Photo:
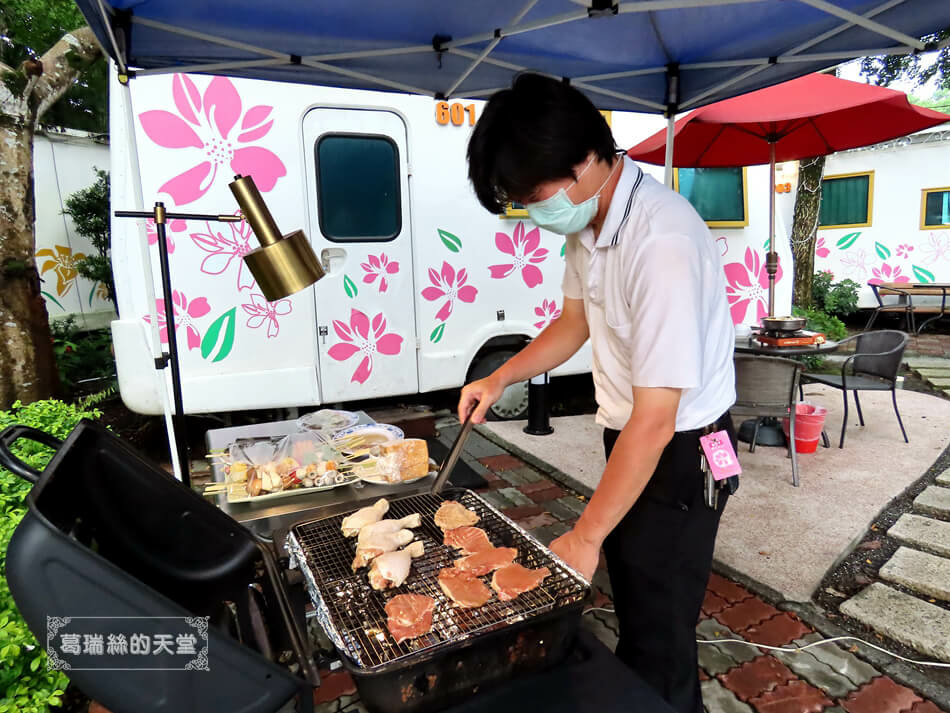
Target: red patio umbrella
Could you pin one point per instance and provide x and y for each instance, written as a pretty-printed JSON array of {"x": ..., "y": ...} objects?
[{"x": 810, "y": 116}]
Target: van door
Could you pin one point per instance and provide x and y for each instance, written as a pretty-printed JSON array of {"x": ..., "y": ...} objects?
[{"x": 358, "y": 193}]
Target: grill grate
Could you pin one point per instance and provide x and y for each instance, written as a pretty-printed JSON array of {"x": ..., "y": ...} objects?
[{"x": 355, "y": 611}]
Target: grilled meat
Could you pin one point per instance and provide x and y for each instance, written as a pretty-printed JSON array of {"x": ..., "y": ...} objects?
[
  {"x": 468, "y": 539},
  {"x": 409, "y": 616},
  {"x": 487, "y": 561},
  {"x": 463, "y": 588},
  {"x": 513, "y": 579},
  {"x": 451, "y": 515},
  {"x": 392, "y": 568}
]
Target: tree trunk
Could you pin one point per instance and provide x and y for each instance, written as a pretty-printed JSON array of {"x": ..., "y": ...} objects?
[
  {"x": 805, "y": 228},
  {"x": 27, "y": 363}
]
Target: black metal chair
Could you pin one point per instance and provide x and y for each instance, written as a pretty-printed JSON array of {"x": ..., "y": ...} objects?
[
  {"x": 873, "y": 367},
  {"x": 768, "y": 387}
]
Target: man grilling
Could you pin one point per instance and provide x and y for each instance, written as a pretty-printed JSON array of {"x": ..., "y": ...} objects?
[{"x": 643, "y": 282}]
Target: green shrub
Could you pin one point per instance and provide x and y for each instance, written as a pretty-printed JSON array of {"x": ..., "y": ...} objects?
[
  {"x": 838, "y": 299},
  {"x": 25, "y": 684},
  {"x": 89, "y": 209},
  {"x": 81, "y": 356},
  {"x": 818, "y": 321}
]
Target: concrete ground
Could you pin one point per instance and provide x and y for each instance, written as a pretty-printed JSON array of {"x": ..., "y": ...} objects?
[{"x": 783, "y": 537}]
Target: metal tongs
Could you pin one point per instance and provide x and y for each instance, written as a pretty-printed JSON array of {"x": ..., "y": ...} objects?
[{"x": 452, "y": 458}]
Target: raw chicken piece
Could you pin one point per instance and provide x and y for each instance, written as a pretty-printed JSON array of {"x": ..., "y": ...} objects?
[
  {"x": 513, "y": 579},
  {"x": 484, "y": 562},
  {"x": 383, "y": 527},
  {"x": 379, "y": 543},
  {"x": 409, "y": 616},
  {"x": 468, "y": 539},
  {"x": 463, "y": 588},
  {"x": 451, "y": 515},
  {"x": 392, "y": 568},
  {"x": 352, "y": 524}
]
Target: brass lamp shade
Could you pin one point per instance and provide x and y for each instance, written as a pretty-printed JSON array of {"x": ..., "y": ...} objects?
[{"x": 282, "y": 265}]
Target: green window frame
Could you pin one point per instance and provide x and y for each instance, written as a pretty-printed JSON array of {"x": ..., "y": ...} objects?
[
  {"x": 720, "y": 195},
  {"x": 358, "y": 188},
  {"x": 935, "y": 208},
  {"x": 847, "y": 200}
]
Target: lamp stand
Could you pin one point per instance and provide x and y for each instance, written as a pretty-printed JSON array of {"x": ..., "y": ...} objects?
[{"x": 170, "y": 359}]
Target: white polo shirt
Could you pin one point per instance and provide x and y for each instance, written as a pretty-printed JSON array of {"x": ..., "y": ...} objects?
[{"x": 654, "y": 295}]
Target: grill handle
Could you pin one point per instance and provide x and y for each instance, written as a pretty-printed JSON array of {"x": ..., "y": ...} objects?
[
  {"x": 452, "y": 458},
  {"x": 10, "y": 435}
]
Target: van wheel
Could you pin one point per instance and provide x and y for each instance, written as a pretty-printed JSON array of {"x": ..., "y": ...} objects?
[{"x": 513, "y": 404}]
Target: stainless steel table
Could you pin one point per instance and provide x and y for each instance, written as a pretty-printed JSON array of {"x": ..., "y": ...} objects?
[{"x": 265, "y": 517}]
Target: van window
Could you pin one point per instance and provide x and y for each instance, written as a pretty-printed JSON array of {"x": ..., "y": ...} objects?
[
  {"x": 718, "y": 194},
  {"x": 846, "y": 200},
  {"x": 358, "y": 188},
  {"x": 935, "y": 208}
]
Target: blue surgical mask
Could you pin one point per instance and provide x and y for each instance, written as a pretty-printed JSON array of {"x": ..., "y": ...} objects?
[{"x": 560, "y": 215}]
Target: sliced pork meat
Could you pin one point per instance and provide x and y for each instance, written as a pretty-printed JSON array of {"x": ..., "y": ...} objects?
[
  {"x": 451, "y": 515},
  {"x": 409, "y": 616},
  {"x": 513, "y": 579},
  {"x": 463, "y": 588},
  {"x": 468, "y": 539},
  {"x": 487, "y": 561}
]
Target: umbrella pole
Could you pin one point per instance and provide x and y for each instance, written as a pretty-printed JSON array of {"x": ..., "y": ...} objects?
[
  {"x": 771, "y": 257},
  {"x": 668, "y": 161}
]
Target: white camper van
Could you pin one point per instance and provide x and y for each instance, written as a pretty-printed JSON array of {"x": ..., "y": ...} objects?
[{"x": 424, "y": 287}]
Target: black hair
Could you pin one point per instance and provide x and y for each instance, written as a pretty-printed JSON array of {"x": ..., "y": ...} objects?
[{"x": 537, "y": 131}]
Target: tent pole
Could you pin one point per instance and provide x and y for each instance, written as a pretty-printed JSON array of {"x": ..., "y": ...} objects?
[
  {"x": 771, "y": 257},
  {"x": 668, "y": 160},
  {"x": 138, "y": 201}
]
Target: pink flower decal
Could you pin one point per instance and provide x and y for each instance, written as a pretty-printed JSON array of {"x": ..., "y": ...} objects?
[
  {"x": 185, "y": 313},
  {"x": 748, "y": 282},
  {"x": 548, "y": 312},
  {"x": 223, "y": 245},
  {"x": 206, "y": 123},
  {"x": 526, "y": 252},
  {"x": 723, "y": 245},
  {"x": 450, "y": 285},
  {"x": 886, "y": 273},
  {"x": 266, "y": 313},
  {"x": 904, "y": 250},
  {"x": 173, "y": 226},
  {"x": 362, "y": 337},
  {"x": 936, "y": 248},
  {"x": 820, "y": 249},
  {"x": 379, "y": 266}
]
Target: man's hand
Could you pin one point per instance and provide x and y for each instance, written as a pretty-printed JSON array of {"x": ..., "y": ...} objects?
[
  {"x": 578, "y": 552},
  {"x": 480, "y": 395}
]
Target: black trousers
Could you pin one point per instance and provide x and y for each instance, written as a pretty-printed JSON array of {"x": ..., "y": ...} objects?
[{"x": 658, "y": 559}]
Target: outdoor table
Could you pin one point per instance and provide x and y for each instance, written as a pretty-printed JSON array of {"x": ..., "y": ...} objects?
[
  {"x": 906, "y": 291},
  {"x": 770, "y": 430},
  {"x": 269, "y": 515}
]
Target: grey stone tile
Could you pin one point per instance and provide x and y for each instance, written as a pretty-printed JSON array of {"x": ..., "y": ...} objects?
[
  {"x": 560, "y": 511},
  {"x": 521, "y": 476},
  {"x": 712, "y": 630},
  {"x": 572, "y": 503},
  {"x": 923, "y": 532},
  {"x": 713, "y": 661},
  {"x": 515, "y": 496},
  {"x": 598, "y": 628},
  {"x": 719, "y": 699},
  {"x": 549, "y": 533},
  {"x": 934, "y": 500},
  {"x": 912, "y": 621},
  {"x": 944, "y": 478},
  {"x": 498, "y": 499},
  {"x": 474, "y": 464},
  {"x": 817, "y": 673},
  {"x": 920, "y": 571},
  {"x": 844, "y": 662},
  {"x": 480, "y": 447},
  {"x": 602, "y": 582}
]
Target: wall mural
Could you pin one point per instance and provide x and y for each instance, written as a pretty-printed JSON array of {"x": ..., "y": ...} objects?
[
  {"x": 447, "y": 284},
  {"x": 526, "y": 253},
  {"x": 865, "y": 263},
  {"x": 747, "y": 287},
  {"x": 211, "y": 136},
  {"x": 61, "y": 261},
  {"x": 362, "y": 336}
]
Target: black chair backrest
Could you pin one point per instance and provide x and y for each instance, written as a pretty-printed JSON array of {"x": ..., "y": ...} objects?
[
  {"x": 885, "y": 366},
  {"x": 765, "y": 385}
]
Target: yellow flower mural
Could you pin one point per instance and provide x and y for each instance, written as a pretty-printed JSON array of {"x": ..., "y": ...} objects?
[
  {"x": 102, "y": 291},
  {"x": 63, "y": 263}
]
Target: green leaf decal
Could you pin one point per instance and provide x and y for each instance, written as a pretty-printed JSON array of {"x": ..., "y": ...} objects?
[
  {"x": 882, "y": 251},
  {"x": 210, "y": 339},
  {"x": 349, "y": 287},
  {"x": 563, "y": 248},
  {"x": 923, "y": 275},
  {"x": 48, "y": 296},
  {"x": 450, "y": 241},
  {"x": 846, "y": 241},
  {"x": 765, "y": 245},
  {"x": 437, "y": 333},
  {"x": 92, "y": 292}
]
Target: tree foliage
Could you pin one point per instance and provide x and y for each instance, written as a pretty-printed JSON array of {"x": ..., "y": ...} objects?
[
  {"x": 30, "y": 27},
  {"x": 915, "y": 67},
  {"x": 89, "y": 209}
]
